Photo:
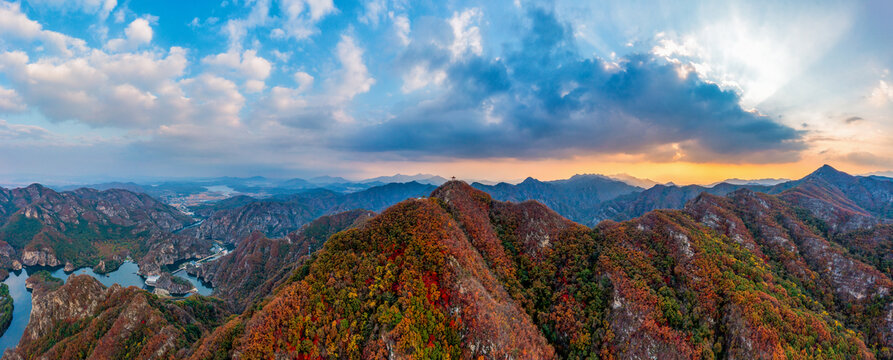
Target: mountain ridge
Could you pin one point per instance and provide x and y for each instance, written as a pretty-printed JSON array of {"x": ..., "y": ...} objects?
[{"x": 742, "y": 274}]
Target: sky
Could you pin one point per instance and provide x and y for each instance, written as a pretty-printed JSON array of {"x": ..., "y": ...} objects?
[{"x": 683, "y": 91}]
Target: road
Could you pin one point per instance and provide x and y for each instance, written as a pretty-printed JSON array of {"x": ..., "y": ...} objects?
[{"x": 213, "y": 256}]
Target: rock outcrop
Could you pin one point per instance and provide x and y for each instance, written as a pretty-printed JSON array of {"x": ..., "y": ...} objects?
[
  {"x": 41, "y": 257},
  {"x": 174, "y": 285}
]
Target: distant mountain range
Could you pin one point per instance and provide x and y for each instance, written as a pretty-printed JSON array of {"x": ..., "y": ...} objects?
[
  {"x": 233, "y": 219},
  {"x": 189, "y": 192},
  {"x": 736, "y": 181},
  {"x": 577, "y": 198}
]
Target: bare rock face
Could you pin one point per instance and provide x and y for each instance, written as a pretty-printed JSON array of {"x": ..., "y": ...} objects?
[
  {"x": 76, "y": 300},
  {"x": 8, "y": 257},
  {"x": 100, "y": 267},
  {"x": 42, "y": 257},
  {"x": 174, "y": 285},
  {"x": 168, "y": 249},
  {"x": 69, "y": 267}
]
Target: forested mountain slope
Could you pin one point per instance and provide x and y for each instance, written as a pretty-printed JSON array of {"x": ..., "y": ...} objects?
[
  {"x": 84, "y": 227},
  {"x": 460, "y": 275}
]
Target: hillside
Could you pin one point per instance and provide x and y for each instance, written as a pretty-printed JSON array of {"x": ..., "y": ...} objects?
[
  {"x": 276, "y": 217},
  {"x": 84, "y": 227},
  {"x": 259, "y": 263},
  {"x": 452, "y": 273},
  {"x": 84, "y": 319},
  {"x": 461, "y": 275},
  {"x": 844, "y": 201}
]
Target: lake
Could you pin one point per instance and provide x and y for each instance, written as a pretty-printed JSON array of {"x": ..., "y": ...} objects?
[{"x": 126, "y": 275}]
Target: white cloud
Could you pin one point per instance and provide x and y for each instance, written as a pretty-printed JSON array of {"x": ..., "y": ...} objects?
[
  {"x": 247, "y": 66},
  {"x": 283, "y": 100},
  {"x": 316, "y": 9},
  {"x": 138, "y": 33},
  {"x": 375, "y": 9},
  {"x": 119, "y": 16},
  {"x": 401, "y": 25},
  {"x": 10, "y": 101},
  {"x": 354, "y": 77},
  {"x": 881, "y": 95},
  {"x": 100, "y": 89},
  {"x": 214, "y": 99},
  {"x": 301, "y": 16},
  {"x": 466, "y": 33},
  {"x": 237, "y": 29},
  {"x": 16, "y": 25},
  {"x": 304, "y": 80},
  {"x": 755, "y": 55},
  {"x": 420, "y": 77},
  {"x": 282, "y": 56},
  {"x": 298, "y": 19},
  {"x": 17, "y": 132},
  {"x": 378, "y": 11},
  {"x": 297, "y": 107}
]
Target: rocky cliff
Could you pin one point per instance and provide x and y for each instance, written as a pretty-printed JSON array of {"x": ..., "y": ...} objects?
[{"x": 84, "y": 319}]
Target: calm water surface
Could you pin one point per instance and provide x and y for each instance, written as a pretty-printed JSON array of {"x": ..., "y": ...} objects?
[{"x": 21, "y": 313}]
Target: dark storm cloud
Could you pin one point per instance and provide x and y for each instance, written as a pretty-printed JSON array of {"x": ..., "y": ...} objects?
[{"x": 543, "y": 100}]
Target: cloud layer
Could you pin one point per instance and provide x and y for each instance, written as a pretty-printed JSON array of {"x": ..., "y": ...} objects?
[
  {"x": 545, "y": 100},
  {"x": 315, "y": 85}
]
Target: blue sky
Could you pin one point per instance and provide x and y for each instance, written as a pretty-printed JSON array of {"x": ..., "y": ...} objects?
[{"x": 672, "y": 90}]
